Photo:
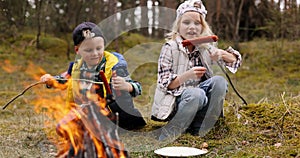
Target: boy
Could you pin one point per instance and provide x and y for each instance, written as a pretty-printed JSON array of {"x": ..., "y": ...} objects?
[{"x": 89, "y": 44}]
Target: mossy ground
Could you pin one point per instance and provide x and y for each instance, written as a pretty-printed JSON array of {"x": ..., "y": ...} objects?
[{"x": 269, "y": 126}]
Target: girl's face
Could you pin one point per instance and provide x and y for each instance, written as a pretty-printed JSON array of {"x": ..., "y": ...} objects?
[
  {"x": 91, "y": 50},
  {"x": 190, "y": 25}
]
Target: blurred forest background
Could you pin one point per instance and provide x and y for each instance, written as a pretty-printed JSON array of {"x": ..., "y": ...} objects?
[{"x": 237, "y": 20}]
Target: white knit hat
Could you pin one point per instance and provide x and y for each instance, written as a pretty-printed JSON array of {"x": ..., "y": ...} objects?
[{"x": 191, "y": 5}]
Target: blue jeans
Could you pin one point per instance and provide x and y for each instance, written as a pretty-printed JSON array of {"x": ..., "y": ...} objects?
[{"x": 198, "y": 108}]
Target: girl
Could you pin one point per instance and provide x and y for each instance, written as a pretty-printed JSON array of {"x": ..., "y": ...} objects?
[{"x": 185, "y": 73}]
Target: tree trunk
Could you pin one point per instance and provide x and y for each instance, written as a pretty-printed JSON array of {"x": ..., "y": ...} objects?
[
  {"x": 112, "y": 9},
  {"x": 38, "y": 16},
  {"x": 285, "y": 4},
  {"x": 144, "y": 18},
  {"x": 153, "y": 19},
  {"x": 237, "y": 25},
  {"x": 218, "y": 10},
  {"x": 163, "y": 19}
]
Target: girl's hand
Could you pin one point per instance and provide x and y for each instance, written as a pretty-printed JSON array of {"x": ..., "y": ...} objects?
[
  {"x": 194, "y": 73},
  {"x": 197, "y": 72},
  {"x": 218, "y": 54}
]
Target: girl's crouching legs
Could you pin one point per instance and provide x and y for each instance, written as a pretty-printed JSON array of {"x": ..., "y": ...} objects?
[{"x": 191, "y": 100}]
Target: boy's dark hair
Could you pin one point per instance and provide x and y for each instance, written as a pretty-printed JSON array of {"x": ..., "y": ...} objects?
[{"x": 78, "y": 36}]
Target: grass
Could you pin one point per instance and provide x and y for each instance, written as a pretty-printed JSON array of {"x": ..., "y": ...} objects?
[{"x": 269, "y": 126}]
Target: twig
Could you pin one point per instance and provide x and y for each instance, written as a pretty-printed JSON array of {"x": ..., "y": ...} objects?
[
  {"x": 230, "y": 82},
  {"x": 20, "y": 94},
  {"x": 228, "y": 77},
  {"x": 284, "y": 103},
  {"x": 285, "y": 113},
  {"x": 91, "y": 81},
  {"x": 40, "y": 82},
  {"x": 248, "y": 118}
]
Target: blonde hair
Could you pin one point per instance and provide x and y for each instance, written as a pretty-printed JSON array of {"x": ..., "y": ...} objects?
[{"x": 206, "y": 31}]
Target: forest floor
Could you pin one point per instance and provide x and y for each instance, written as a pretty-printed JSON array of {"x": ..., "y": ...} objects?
[{"x": 269, "y": 80}]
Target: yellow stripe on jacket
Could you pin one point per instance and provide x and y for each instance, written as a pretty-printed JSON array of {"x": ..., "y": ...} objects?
[{"x": 73, "y": 88}]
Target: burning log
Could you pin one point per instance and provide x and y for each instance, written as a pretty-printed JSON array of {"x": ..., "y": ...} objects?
[
  {"x": 94, "y": 134},
  {"x": 91, "y": 129}
]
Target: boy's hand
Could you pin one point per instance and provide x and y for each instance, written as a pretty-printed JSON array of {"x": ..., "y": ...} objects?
[
  {"x": 119, "y": 83},
  {"x": 47, "y": 79}
]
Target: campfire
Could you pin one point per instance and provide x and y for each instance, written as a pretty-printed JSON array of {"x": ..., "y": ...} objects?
[
  {"x": 85, "y": 130},
  {"x": 91, "y": 133}
]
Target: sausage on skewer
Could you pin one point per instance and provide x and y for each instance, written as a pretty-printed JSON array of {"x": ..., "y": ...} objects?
[{"x": 200, "y": 40}]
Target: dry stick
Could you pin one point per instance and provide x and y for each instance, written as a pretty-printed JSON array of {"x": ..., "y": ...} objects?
[
  {"x": 285, "y": 113},
  {"x": 230, "y": 82},
  {"x": 229, "y": 79},
  {"x": 118, "y": 92},
  {"x": 20, "y": 94},
  {"x": 41, "y": 82},
  {"x": 91, "y": 81},
  {"x": 208, "y": 39}
]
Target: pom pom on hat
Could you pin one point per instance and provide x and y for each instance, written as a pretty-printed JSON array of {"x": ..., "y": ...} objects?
[{"x": 191, "y": 5}]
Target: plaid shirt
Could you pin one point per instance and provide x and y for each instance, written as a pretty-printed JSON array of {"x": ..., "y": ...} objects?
[
  {"x": 166, "y": 72},
  {"x": 93, "y": 74},
  {"x": 90, "y": 75}
]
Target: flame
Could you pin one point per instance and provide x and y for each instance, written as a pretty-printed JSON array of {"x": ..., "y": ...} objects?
[
  {"x": 8, "y": 67},
  {"x": 69, "y": 128},
  {"x": 66, "y": 119},
  {"x": 99, "y": 147},
  {"x": 34, "y": 71},
  {"x": 69, "y": 118},
  {"x": 101, "y": 102}
]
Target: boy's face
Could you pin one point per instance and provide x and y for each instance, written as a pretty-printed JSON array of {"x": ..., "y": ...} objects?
[
  {"x": 91, "y": 50},
  {"x": 190, "y": 25}
]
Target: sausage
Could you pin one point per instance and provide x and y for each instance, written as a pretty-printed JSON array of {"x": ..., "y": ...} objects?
[{"x": 200, "y": 40}]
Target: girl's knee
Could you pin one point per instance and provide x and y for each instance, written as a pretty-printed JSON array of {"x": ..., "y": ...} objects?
[
  {"x": 219, "y": 79},
  {"x": 195, "y": 95},
  {"x": 192, "y": 93},
  {"x": 220, "y": 83}
]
